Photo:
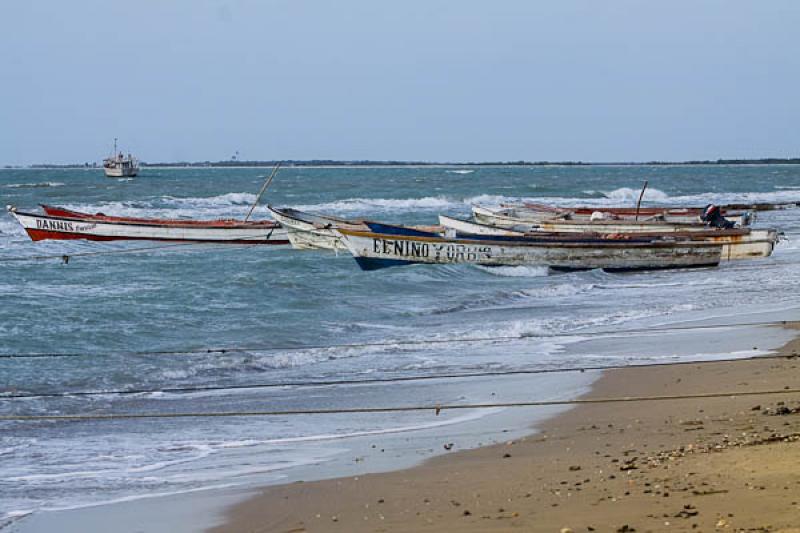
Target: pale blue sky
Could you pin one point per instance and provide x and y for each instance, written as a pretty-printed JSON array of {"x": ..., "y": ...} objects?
[{"x": 411, "y": 79}]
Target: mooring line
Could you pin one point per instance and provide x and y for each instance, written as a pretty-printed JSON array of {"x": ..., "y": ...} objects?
[
  {"x": 435, "y": 408},
  {"x": 368, "y": 381},
  {"x": 66, "y": 256},
  {"x": 265, "y": 348},
  {"x": 97, "y": 252}
]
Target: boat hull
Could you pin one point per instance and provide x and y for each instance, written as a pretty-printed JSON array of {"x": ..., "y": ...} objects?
[
  {"x": 675, "y": 215},
  {"x": 42, "y": 227},
  {"x": 379, "y": 250},
  {"x": 120, "y": 172},
  {"x": 502, "y": 220},
  {"x": 307, "y": 235},
  {"x": 736, "y": 244}
]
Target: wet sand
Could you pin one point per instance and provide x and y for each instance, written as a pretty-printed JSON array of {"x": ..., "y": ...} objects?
[{"x": 713, "y": 464}]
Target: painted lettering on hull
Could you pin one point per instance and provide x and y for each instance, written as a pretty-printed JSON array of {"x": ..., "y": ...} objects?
[
  {"x": 400, "y": 248},
  {"x": 450, "y": 252},
  {"x": 63, "y": 225},
  {"x": 54, "y": 225}
]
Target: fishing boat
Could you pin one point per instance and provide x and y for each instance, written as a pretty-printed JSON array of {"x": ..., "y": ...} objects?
[
  {"x": 385, "y": 245},
  {"x": 64, "y": 224},
  {"x": 120, "y": 166},
  {"x": 518, "y": 220},
  {"x": 309, "y": 231},
  {"x": 679, "y": 215},
  {"x": 738, "y": 243}
]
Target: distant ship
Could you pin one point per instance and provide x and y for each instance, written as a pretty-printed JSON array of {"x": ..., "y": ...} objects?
[{"x": 120, "y": 166}]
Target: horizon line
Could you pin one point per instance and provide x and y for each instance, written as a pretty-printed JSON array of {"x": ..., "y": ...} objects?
[{"x": 404, "y": 163}]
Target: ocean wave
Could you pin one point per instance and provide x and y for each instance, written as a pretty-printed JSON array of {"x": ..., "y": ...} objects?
[
  {"x": 228, "y": 199},
  {"x": 627, "y": 195},
  {"x": 233, "y": 204},
  {"x": 35, "y": 185},
  {"x": 393, "y": 205},
  {"x": 459, "y": 171},
  {"x": 776, "y": 197},
  {"x": 230, "y": 205},
  {"x": 252, "y": 361},
  {"x": 356, "y": 205}
]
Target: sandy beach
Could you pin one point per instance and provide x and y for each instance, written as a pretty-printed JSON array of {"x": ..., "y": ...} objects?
[{"x": 730, "y": 463}]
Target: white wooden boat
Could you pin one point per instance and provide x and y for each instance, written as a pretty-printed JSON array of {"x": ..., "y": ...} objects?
[
  {"x": 739, "y": 243},
  {"x": 518, "y": 221},
  {"x": 679, "y": 215},
  {"x": 309, "y": 231},
  {"x": 71, "y": 225},
  {"x": 383, "y": 246}
]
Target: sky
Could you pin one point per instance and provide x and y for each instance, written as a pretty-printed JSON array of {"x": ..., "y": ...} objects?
[{"x": 430, "y": 80}]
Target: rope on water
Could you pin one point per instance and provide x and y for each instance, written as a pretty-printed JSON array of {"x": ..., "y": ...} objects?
[
  {"x": 435, "y": 408},
  {"x": 384, "y": 344},
  {"x": 66, "y": 257},
  {"x": 338, "y": 382}
]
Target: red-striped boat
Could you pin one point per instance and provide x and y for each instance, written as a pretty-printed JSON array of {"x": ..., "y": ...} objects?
[{"x": 65, "y": 224}]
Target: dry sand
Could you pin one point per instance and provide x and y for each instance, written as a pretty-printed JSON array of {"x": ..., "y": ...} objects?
[{"x": 724, "y": 464}]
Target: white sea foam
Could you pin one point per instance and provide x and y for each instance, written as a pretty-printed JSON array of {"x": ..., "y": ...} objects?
[
  {"x": 232, "y": 204},
  {"x": 35, "y": 185},
  {"x": 462, "y": 171},
  {"x": 626, "y": 195},
  {"x": 516, "y": 271},
  {"x": 229, "y": 199},
  {"x": 354, "y": 205},
  {"x": 475, "y": 415},
  {"x": 141, "y": 496},
  {"x": 116, "y": 471},
  {"x": 616, "y": 197}
]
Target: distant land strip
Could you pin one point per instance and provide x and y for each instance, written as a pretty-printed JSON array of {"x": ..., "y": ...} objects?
[{"x": 370, "y": 163}]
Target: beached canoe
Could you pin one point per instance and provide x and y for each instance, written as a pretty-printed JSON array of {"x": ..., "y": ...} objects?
[
  {"x": 677, "y": 215},
  {"x": 738, "y": 243},
  {"x": 385, "y": 245},
  {"x": 517, "y": 220},
  {"x": 309, "y": 231},
  {"x": 69, "y": 225}
]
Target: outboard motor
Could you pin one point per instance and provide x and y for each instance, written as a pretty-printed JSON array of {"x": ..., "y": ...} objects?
[{"x": 712, "y": 216}]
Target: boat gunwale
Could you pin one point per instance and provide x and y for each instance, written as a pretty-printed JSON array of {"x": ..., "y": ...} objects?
[
  {"x": 171, "y": 223},
  {"x": 335, "y": 222},
  {"x": 710, "y": 233},
  {"x": 550, "y": 244},
  {"x": 488, "y": 212}
]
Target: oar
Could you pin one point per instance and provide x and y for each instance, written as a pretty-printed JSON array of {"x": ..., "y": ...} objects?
[
  {"x": 639, "y": 202},
  {"x": 263, "y": 188}
]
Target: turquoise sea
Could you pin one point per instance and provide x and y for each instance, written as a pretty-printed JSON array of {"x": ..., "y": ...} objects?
[{"x": 281, "y": 313}]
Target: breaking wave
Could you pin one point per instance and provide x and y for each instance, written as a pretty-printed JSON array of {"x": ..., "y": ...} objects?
[
  {"x": 231, "y": 198},
  {"x": 34, "y": 185},
  {"x": 628, "y": 195},
  {"x": 356, "y": 205},
  {"x": 233, "y": 204}
]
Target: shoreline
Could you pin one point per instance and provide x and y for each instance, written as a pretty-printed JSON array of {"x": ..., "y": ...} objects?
[{"x": 649, "y": 466}]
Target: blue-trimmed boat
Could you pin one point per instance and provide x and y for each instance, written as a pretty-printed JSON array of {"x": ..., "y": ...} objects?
[{"x": 385, "y": 245}]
